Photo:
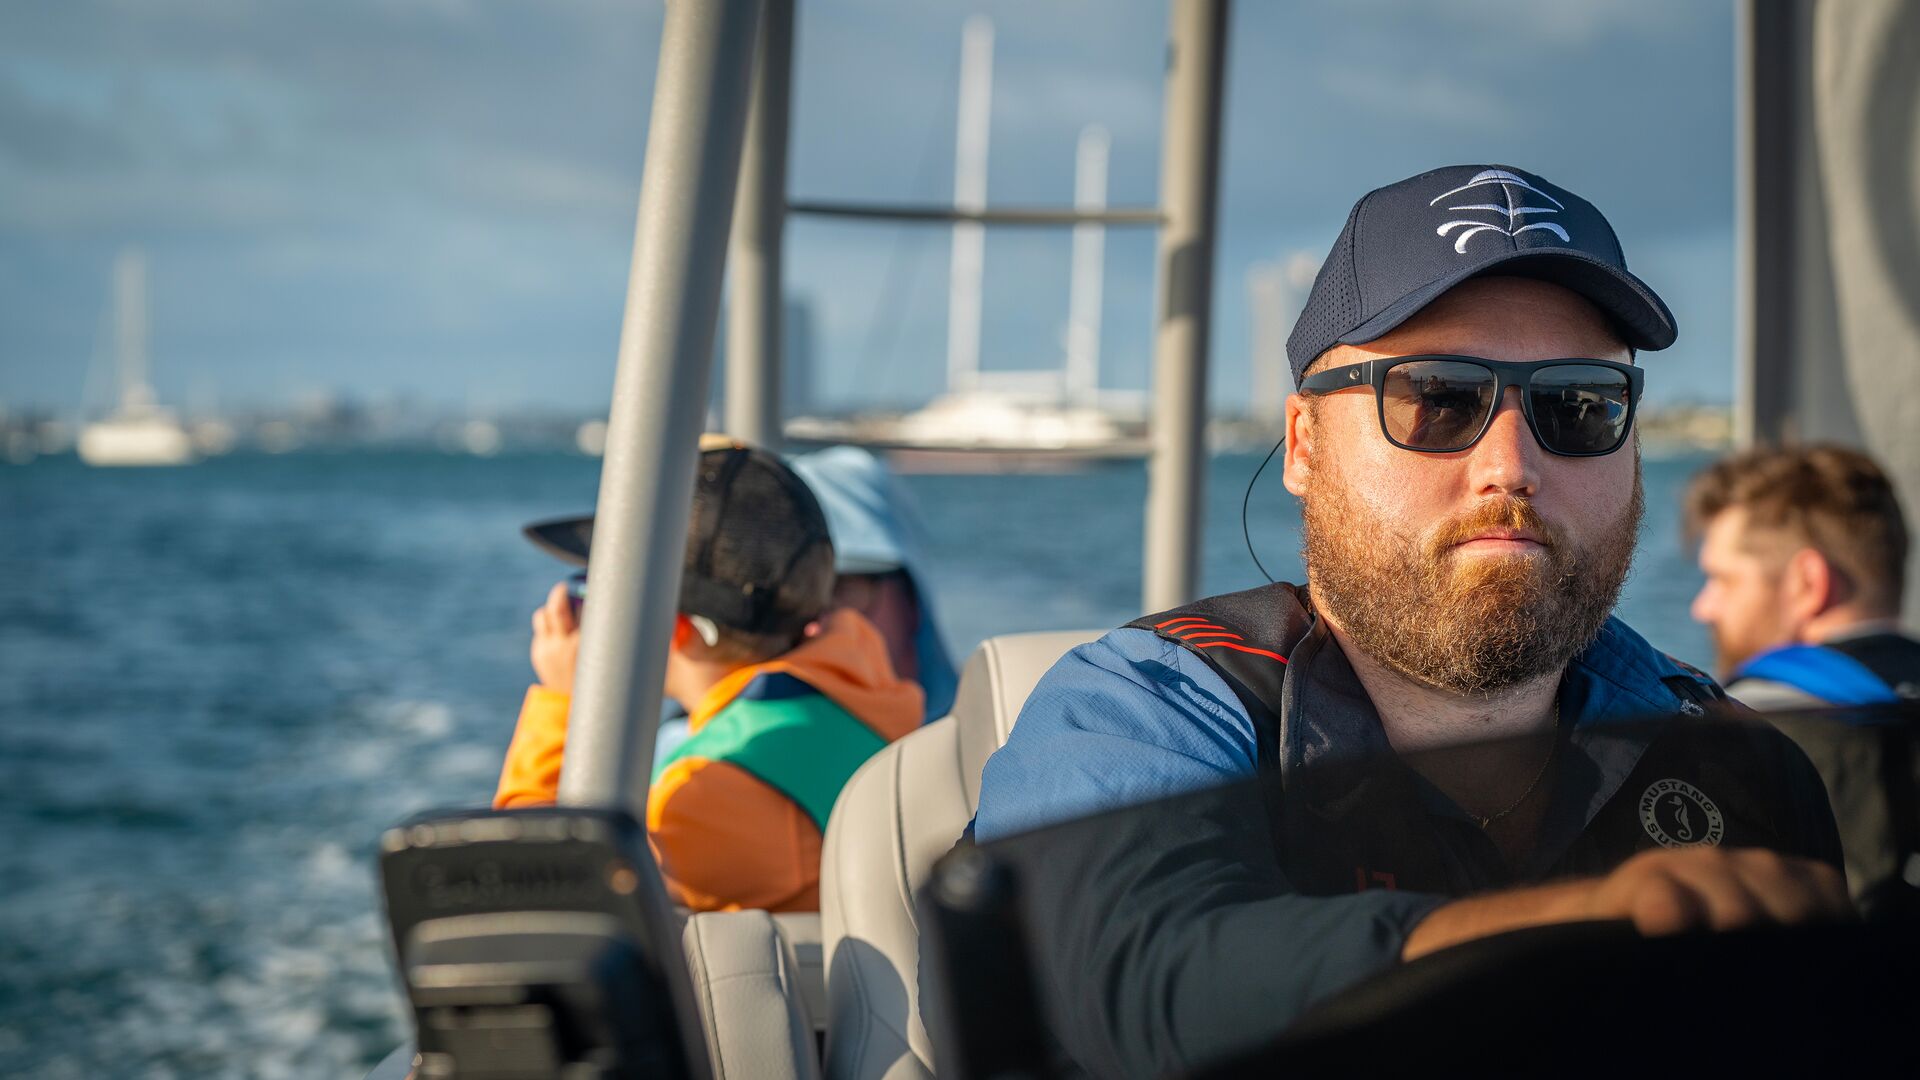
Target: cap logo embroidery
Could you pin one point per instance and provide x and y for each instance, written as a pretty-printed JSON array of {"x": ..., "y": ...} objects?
[{"x": 1513, "y": 209}]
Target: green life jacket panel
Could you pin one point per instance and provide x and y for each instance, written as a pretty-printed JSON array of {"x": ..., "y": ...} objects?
[{"x": 803, "y": 746}]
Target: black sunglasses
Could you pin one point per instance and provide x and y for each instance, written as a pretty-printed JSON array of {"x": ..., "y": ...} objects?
[{"x": 1443, "y": 404}]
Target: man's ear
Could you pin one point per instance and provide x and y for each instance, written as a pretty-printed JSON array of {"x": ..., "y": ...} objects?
[
  {"x": 1297, "y": 460},
  {"x": 682, "y": 633},
  {"x": 1809, "y": 586}
]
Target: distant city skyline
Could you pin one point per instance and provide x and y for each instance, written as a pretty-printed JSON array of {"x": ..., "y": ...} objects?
[{"x": 435, "y": 201}]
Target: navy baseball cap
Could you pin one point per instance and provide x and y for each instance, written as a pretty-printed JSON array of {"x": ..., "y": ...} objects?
[{"x": 1406, "y": 243}]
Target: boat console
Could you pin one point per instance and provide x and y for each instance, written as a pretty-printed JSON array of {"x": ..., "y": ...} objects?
[{"x": 538, "y": 943}]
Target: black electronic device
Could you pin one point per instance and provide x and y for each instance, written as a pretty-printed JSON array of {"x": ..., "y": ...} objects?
[
  {"x": 538, "y": 945},
  {"x": 989, "y": 1021}
]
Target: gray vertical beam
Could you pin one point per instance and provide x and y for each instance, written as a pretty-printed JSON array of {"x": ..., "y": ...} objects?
[
  {"x": 659, "y": 397},
  {"x": 755, "y": 304},
  {"x": 1768, "y": 146},
  {"x": 1189, "y": 199},
  {"x": 1863, "y": 68}
]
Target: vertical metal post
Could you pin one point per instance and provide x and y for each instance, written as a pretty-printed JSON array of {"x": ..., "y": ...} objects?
[
  {"x": 1189, "y": 198},
  {"x": 756, "y": 303},
  {"x": 659, "y": 397},
  {"x": 1766, "y": 151}
]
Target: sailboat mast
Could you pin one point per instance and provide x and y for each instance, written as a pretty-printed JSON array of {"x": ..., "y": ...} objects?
[
  {"x": 130, "y": 327},
  {"x": 969, "y": 194},
  {"x": 138, "y": 431},
  {"x": 1089, "y": 259}
]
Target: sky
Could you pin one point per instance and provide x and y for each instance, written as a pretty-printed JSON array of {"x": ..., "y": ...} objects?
[{"x": 434, "y": 199}]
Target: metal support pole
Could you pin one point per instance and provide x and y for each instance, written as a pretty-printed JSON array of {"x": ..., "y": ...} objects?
[
  {"x": 756, "y": 303},
  {"x": 1189, "y": 198},
  {"x": 659, "y": 397},
  {"x": 1767, "y": 150}
]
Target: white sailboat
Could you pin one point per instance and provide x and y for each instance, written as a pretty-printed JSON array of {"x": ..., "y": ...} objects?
[
  {"x": 139, "y": 431},
  {"x": 1042, "y": 411},
  {"x": 1024, "y": 420}
]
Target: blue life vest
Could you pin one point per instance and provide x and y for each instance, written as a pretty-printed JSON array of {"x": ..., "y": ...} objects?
[{"x": 1828, "y": 674}]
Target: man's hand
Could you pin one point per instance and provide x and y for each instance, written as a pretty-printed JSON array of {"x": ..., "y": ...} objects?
[
  {"x": 1660, "y": 892},
  {"x": 1707, "y": 888},
  {"x": 556, "y": 641}
]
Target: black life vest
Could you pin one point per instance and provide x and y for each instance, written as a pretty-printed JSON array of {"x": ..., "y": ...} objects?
[
  {"x": 1246, "y": 638},
  {"x": 1249, "y": 637},
  {"x": 1893, "y": 658},
  {"x": 1364, "y": 824}
]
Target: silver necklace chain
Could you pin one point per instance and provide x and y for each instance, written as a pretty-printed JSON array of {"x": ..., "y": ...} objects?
[{"x": 1552, "y": 749}]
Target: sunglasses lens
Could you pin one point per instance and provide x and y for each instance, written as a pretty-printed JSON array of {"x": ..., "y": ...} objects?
[
  {"x": 1580, "y": 408},
  {"x": 1436, "y": 405}
]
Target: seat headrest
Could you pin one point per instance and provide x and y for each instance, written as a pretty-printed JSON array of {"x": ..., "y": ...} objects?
[{"x": 993, "y": 687}]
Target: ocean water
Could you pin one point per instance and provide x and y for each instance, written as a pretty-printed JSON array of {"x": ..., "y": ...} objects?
[{"x": 218, "y": 684}]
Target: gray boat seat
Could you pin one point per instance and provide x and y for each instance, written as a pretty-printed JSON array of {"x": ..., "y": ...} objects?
[
  {"x": 904, "y": 809},
  {"x": 747, "y": 982}
]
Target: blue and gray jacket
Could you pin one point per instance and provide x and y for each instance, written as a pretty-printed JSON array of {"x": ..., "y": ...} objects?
[
  {"x": 1869, "y": 668},
  {"x": 1178, "y": 936}
]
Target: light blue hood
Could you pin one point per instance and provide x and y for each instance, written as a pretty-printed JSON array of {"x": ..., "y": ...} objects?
[{"x": 876, "y": 529}]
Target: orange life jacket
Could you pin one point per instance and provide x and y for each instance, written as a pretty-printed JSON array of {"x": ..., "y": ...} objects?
[{"x": 736, "y": 813}]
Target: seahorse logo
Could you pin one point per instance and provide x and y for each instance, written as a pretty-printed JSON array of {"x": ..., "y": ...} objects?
[
  {"x": 1677, "y": 814},
  {"x": 1684, "y": 833},
  {"x": 1513, "y": 189}
]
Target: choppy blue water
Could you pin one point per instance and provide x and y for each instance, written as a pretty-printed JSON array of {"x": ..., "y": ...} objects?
[{"x": 218, "y": 684}]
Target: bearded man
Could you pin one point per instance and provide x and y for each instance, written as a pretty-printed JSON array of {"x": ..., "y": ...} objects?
[{"x": 1462, "y": 445}]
